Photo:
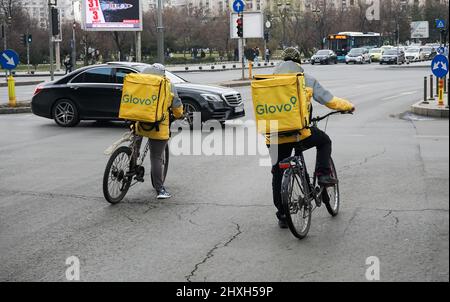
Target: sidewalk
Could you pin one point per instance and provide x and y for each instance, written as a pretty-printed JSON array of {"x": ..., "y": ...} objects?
[
  {"x": 431, "y": 108},
  {"x": 22, "y": 78}
]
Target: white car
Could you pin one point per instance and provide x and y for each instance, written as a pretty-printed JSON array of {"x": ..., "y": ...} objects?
[
  {"x": 358, "y": 55},
  {"x": 414, "y": 54}
]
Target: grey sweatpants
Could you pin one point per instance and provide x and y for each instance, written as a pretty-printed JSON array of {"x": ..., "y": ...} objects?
[{"x": 157, "y": 148}]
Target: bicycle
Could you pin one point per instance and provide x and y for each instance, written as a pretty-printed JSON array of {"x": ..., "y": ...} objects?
[
  {"x": 298, "y": 192},
  {"x": 125, "y": 166}
]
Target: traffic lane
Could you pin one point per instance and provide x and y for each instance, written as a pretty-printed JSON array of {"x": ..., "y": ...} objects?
[
  {"x": 234, "y": 232},
  {"x": 251, "y": 233}
]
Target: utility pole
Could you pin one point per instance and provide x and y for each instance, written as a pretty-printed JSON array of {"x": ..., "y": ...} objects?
[
  {"x": 160, "y": 30},
  {"x": 51, "y": 3},
  {"x": 138, "y": 47},
  {"x": 74, "y": 47}
]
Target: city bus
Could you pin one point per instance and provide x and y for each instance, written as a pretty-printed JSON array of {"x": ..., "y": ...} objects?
[{"x": 343, "y": 42}]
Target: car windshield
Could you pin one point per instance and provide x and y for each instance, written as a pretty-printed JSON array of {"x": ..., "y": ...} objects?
[
  {"x": 174, "y": 78},
  {"x": 322, "y": 52},
  {"x": 412, "y": 50},
  {"x": 428, "y": 49},
  {"x": 375, "y": 50},
  {"x": 390, "y": 52},
  {"x": 356, "y": 51}
]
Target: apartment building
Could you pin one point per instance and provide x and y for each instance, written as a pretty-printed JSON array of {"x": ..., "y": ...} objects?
[{"x": 38, "y": 10}]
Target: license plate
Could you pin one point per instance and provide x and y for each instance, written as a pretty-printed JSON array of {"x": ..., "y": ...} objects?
[
  {"x": 317, "y": 60},
  {"x": 238, "y": 109}
]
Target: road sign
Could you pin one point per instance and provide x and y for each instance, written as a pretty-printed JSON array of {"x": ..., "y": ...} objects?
[
  {"x": 441, "y": 50},
  {"x": 420, "y": 30},
  {"x": 440, "y": 23},
  {"x": 9, "y": 59},
  {"x": 238, "y": 6},
  {"x": 439, "y": 66},
  {"x": 268, "y": 24}
]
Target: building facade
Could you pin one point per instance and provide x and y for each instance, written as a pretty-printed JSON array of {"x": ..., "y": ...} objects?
[{"x": 38, "y": 10}]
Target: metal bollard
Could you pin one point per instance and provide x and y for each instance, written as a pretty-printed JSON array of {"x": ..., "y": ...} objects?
[
  {"x": 437, "y": 86},
  {"x": 445, "y": 84},
  {"x": 11, "y": 91},
  {"x": 425, "y": 87},
  {"x": 431, "y": 88}
]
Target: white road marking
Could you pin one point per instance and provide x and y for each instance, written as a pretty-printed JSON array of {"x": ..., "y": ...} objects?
[
  {"x": 432, "y": 136},
  {"x": 399, "y": 95}
]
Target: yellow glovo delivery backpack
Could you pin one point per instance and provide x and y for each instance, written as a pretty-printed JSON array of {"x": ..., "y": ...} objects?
[
  {"x": 145, "y": 99},
  {"x": 280, "y": 103}
]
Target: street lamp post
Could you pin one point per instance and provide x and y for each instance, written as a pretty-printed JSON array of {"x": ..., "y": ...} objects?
[
  {"x": 316, "y": 11},
  {"x": 51, "y": 3},
  {"x": 160, "y": 30},
  {"x": 74, "y": 46},
  {"x": 283, "y": 8}
]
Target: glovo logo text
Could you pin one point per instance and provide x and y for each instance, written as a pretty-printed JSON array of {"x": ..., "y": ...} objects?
[
  {"x": 278, "y": 108},
  {"x": 130, "y": 99}
]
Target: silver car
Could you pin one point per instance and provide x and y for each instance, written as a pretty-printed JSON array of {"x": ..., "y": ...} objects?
[{"x": 358, "y": 55}]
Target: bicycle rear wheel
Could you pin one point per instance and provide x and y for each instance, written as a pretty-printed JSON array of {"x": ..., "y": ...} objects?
[
  {"x": 115, "y": 180},
  {"x": 330, "y": 195},
  {"x": 296, "y": 205},
  {"x": 165, "y": 165}
]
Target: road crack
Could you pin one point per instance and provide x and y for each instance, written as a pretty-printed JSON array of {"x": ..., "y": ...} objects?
[
  {"x": 363, "y": 162},
  {"x": 210, "y": 253}
]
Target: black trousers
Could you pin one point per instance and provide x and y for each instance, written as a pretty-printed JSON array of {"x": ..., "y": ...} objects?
[{"x": 318, "y": 139}]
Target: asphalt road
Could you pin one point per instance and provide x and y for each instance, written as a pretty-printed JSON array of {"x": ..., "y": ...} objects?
[{"x": 220, "y": 225}]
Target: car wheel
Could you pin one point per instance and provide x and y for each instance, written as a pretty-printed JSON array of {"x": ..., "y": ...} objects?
[
  {"x": 312, "y": 63},
  {"x": 65, "y": 113},
  {"x": 189, "y": 107}
]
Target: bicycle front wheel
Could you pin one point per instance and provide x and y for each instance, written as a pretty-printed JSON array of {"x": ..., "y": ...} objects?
[
  {"x": 296, "y": 206},
  {"x": 115, "y": 180}
]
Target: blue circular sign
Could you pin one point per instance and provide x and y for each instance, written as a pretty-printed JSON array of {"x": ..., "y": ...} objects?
[
  {"x": 439, "y": 66},
  {"x": 9, "y": 59},
  {"x": 238, "y": 6}
]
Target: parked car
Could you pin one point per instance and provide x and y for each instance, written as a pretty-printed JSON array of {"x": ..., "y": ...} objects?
[
  {"x": 375, "y": 54},
  {"x": 414, "y": 54},
  {"x": 393, "y": 56},
  {"x": 429, "y": 52},
  {"x": 358, "y": 55},
  {"x": 95, "y": 92},
  {"x": 324, "y": 56}
]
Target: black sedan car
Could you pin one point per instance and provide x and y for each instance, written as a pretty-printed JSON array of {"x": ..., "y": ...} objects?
[
  {"x": 94, "y": 93},
  {"x": 393, "y": 56},
  {"x": 324, "y": 56}
]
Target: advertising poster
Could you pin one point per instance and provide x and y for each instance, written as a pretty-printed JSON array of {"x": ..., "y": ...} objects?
[{"x": 112, "y": 15}]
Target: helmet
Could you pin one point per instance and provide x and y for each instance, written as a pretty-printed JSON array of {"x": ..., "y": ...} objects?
[
  {"x": 156, "y": 68},
  {"x": 159, "y": 66},
  {"x": 291, "y": 54}
]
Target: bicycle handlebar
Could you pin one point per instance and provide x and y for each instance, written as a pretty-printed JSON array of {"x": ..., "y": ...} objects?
[{"x": 319, "y": 118}]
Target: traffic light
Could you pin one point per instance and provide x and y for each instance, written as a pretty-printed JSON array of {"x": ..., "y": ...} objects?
[
  {"x": 24, "y": 39},
  {"x": 266, "y": 36},
  {"x": 55, "y": 21},
  {"x": 240, "y": 27},
  {"x": 29, "y": 39}
]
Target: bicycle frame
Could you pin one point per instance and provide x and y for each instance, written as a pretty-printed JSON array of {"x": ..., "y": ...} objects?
[{"x": 298, "y": 162}]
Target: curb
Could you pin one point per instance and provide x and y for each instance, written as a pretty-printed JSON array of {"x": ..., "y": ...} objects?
[
  {"x": 17, "y": 84},
  {"x": 12, "y": 110},
  {"x": 236, "y": 84},
  {"x": 431, "y": 110},
  {"x": 214, "y": 68}
]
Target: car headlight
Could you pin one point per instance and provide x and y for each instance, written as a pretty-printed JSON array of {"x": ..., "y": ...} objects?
[{"x": 211, "y": 97}]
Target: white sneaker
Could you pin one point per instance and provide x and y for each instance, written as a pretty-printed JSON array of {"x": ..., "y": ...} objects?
[{"x": 163, "y": 194}]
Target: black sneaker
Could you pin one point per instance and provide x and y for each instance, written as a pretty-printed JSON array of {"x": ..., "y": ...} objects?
[
  {"x": 282, "y": 223},
  {"x": 327, "y": 181},
  {"x": 163, "y": 194}
]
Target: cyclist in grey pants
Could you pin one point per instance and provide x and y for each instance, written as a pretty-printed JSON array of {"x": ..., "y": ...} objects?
[{"x": 159, "y": 138}]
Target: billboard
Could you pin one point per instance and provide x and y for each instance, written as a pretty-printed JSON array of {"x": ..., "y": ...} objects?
[
  {"x": 420, "y": 30},
  {"x": 112, "y": 15},
  {"x": 253, "y": 25}
]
